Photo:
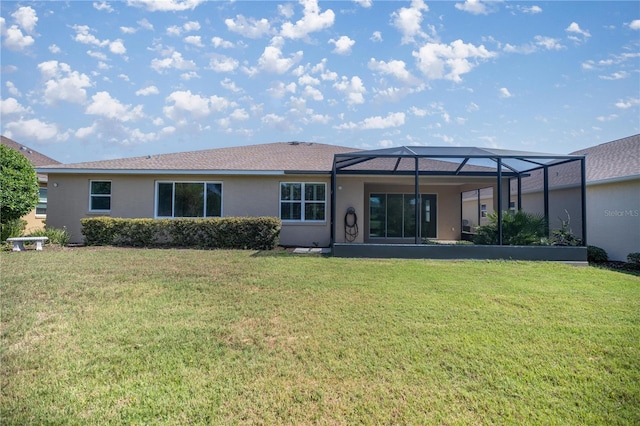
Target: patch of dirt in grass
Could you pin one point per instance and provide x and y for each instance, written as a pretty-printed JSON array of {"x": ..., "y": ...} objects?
[{"x": 46, "y": 326}]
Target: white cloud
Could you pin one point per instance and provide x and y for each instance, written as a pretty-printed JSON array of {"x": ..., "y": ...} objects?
[
  {"x": 219, "y": 42},
  {"x": 272, "y": 61},
  {"x": 418, "y": 112},
  {"x": 441, "y": 61},
  {"x": 84, "y": 36},
  {"x": 128, "y": 30},
  {"x": 395, "y": 119},
  {"x": 84, "y": 132},
  {"x": 144, "y": 23},
  {"x": 408, "y": 20},
  {"x": 531, "y": 10},
  {"x": 103, "y": 5},
  {"x": 278, "y": 89},
  {"x": 609, "y": 117},
  {"x": 174, "y": 30},
  {"x": 221, "y": 63},
  {"x": 635, "y": 24},
  {"x": 548, "y": 43},
  {"x": 504, "y": 93},
  {"x": 311, "y": 92},
  {"x": 13, "y": 37},
  {"x": 34, "y": 130},
  {"x": 364, "y": 3},
  {"x": 615, "y": 76},
  {"x": 229, "y": 84},
  {"x": 175, "y": 61},
  {"x": 475, "y": 7},
  {"x": 183, "y": 101},
  {"x": 306, "y": 79},
  {"x": 343, "y": 45},
  {"x": 311, "y": 21},
  {"x": 117, "y": 47},
  {"x": 186, "y": 76},
  {"x": 54, "y": 48},
  {"x": 286, "y": 10},
  {"x": 395, "y": 68},
  {"x": 239, "y": 114},
  {"x": 194, "y": 40},
  {"x": 376, "y": 37},
  {"x": 165, "y": 5},
  {"x": 12, "y": 88},
  {"x": 473, "y": 107},
  {"x": 353, "y": 89},
  {"x": 26, "y": 18},
  {"x": 249, "y": 28},
  {"x": 124, "y": 77},
  {"x": 12, "y": 106},
  {"x": 62, "y": 83},
  {"x": 146, "y": 91},
  {"x": 191, "y": 26},
  {"x": 97, "y": 55},
  {"x": 574, "y": 31},
  {"x": 628, "y": 103},
  {"x": 104, "y": 105}
]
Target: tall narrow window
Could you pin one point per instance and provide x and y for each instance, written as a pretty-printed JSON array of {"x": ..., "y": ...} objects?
[
  {"x": 188, "y": 199},
  {"x": 303, "y": 201},
  {"x": 41, "y": 207},
  {"x": 100, "y": 195}
]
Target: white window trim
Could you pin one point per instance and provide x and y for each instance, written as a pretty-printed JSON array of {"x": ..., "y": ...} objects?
[
  {"x": 173, "y": 204},
  {"x": 41, "y": 201},
  {"x": 302, "y": 202},
  {"x": 100, "y": 195}
]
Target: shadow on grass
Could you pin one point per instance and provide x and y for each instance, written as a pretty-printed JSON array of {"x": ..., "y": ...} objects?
[{"x": 622, "y": 267}]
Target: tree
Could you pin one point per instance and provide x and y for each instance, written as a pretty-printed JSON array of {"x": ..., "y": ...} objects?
[{"x": 18, "y": 185}]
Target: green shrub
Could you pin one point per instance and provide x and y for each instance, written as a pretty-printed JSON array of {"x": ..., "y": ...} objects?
[
  {"x": 55, "y": 235},
  {"x": 634, "y": 258},
  {"x": 12, "y": 228},
  {"x": 518, "y": 228},
  {"x": 255, "y": 233},
  {"x": 596, "y": 254}
]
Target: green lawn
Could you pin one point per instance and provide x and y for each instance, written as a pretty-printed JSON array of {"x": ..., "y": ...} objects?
[{"x": 126, "y": 336}]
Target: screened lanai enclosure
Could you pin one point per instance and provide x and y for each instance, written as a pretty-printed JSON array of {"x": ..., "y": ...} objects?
[{"x": 422, "y": 201}]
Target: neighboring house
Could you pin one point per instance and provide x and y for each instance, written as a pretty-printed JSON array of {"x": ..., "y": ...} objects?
[
  {"x": 35, "y": 219},
  {"x": 396, "y": 195},
  {"x": 613, "y": 196}
]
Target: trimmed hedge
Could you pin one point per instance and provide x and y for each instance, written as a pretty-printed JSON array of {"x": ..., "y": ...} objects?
[{"x": 249, "y": 233}]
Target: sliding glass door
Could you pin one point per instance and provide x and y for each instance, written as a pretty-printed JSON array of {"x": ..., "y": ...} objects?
[{"x": 393, "y": 216}]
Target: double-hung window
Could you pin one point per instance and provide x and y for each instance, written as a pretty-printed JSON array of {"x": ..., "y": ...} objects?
[
  {"x": 188, "y": 199},
  {"x": 100, "y": 195},
  {"x": 303, "y": 202}
]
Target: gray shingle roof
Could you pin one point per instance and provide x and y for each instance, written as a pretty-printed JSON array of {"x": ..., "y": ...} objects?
[
  {"x": 36, "y": 158},
  {"x": 272, "y": 157},
  {"x": 616, "y": 159}
]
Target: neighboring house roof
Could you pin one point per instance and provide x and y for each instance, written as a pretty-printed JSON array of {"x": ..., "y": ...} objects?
[
  {"x": 277, "y": 158},
  {"x": 613, "y": 160},
  {"x": 36, "y": 158}
]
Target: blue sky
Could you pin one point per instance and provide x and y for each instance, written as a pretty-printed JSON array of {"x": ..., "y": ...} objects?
[{"x": 93, "y": 80}]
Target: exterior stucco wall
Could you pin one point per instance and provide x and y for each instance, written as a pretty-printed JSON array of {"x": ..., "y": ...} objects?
[
  {"x": 613, "y": 218},
  {"x": 133, "y": 196},
  {"x": 353, "y": 191}
]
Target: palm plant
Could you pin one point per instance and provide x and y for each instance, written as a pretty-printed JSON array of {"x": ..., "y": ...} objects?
[{"x": 518, "y": 228}]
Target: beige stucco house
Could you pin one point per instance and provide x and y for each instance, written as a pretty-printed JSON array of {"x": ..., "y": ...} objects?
[
  {"x": 37, "y": 217},
  {"x": 613, "y": 196},
  {"x": 324, "y": 194}
]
